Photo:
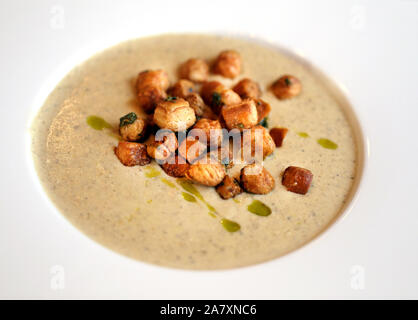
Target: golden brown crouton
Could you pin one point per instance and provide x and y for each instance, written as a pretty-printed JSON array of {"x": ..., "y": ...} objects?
[
  {"x": 174, "y": 114},
  {"x": 263, "y": 109},
  {"x": 229, "y": 97},
  {"x": 248, "y": 88},
  {"x": 226, "y": 97},
  {"x": 162, "y": 149},
  {"x": 211, "y": 129},
  {"x": 152, "y": 78},
  {"x": 208, "y": 173},
  {"x": 198, "y": 105},
  {"x": 175, "y": 167},
  {"x": 181, "y": 89},
  {"x": 149, "y": 97},
  {"x": 266, "y": 145},
  {"x": 195, "y": 70},
  {"x": 192, "y": 149},
  {"x": 222, "y": 121},
  {"x": 132, "y": 153},
  {"x": 286, "y": 87},
  {"x": 240, "y": 116},
  {"x": 228, "y": 188},
  {"x": 211, "y": 89},
  {"x": 278, "y": 135},
  {"x": 151, "y": 86},
  {"x": 256, "y": 179},
  {"x": 131, "y": 128},
  {"x": 297, "y": 179},
  {"x": 228, "y": 64},
  {"x": 224, "y": 154},
  {"x": 209, "y": 114}
]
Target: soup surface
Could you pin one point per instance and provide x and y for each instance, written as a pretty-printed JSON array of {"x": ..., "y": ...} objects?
[{"x": 143, "y": 213}]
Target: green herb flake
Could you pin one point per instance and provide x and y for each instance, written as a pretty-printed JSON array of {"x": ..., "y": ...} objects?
[
  {"x": 225, "y": 161},
  {"x": 171, "y": 99},
  {"x": 287, "y": 81},
  {"x": 264, "y": 122},
  {"x": 216, "y": 99},
  {"x": 240, "y": 125},
  {"x": 127, "y": 119}
]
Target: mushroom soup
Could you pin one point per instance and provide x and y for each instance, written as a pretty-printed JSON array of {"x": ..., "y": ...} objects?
[{"x": 145, "y": 211}]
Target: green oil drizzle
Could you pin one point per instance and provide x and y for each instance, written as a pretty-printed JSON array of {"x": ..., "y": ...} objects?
[
  {"x": 212, "y": 214},
  {"x": 303, "y": 134},
  {"x": 229, "y": 225},
  {"x": 189, "y": 187},
  {"x": 328, "y": 144},
  {"x": 168, "y": 183},
  {"x": 152, "y": 172},
  {"x": 188, "y": 197},
  {"x": 98, "y": 123},
  {"x": 211, "y": 209},
  {"x": 259, "y": 208},
  {"x": 114, "y": 135}
]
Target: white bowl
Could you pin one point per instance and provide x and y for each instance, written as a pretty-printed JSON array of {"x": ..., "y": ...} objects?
[{"x": 370, "y": 253}]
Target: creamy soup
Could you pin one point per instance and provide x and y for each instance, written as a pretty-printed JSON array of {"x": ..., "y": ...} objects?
[{"x": 143, "y": 213}]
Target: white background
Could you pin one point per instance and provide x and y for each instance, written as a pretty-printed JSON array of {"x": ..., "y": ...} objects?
[{"x": 370, "y": 47}]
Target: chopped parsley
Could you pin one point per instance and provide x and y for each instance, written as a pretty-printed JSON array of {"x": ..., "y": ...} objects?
[
  {"x": 264, "y": 122},
  {"x": 225, "y": 162},
  {"x": 216, "y": 99},
  {"x": 171, "y": 99},
  {"x": 127, "y": 119},
  {"x": 287, "y": 81},
  {"x": 240, "y": 125}
]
